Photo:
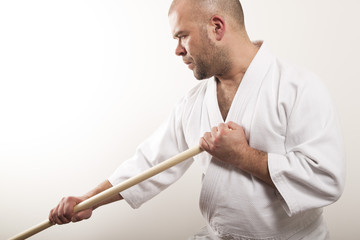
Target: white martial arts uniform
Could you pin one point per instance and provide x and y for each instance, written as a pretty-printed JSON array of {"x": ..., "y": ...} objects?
[{"x": 285, "y": 112}]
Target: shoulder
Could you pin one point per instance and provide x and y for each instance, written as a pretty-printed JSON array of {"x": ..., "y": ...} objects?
[
  {"x": 295, "y": 81},
  {"x": 194, "y": 95},
  {"x": 190, "y": 101},
  {"x": 197, "y": 91},
  {"x": 302, "y": 91},
  {"x": 295, "y": 76}
]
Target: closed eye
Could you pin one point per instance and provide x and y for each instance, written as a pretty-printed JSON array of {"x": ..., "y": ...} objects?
[{"x": 180, "y": 35}]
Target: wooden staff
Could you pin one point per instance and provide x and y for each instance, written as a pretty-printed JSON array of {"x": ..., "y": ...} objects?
[{"x": 90, "y": 202}]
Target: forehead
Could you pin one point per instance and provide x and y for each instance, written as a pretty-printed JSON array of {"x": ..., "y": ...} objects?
[{"x": 180, "y": 19}]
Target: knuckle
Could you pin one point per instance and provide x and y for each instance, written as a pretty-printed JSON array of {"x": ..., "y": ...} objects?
[
  {"x": 59, "y": 212},
  {"x": 217, "y": 140},
  {"x": 233, "y": 123},
  {"x": 68, "y": 212},
  {"x": 212, "y": 148},
  {"x": 221, "y": 131}
]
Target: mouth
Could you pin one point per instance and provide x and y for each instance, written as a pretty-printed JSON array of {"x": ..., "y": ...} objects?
[{"x": 189, "y": 64}]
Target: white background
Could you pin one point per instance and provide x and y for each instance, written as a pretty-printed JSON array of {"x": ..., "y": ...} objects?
[{"x": 82, "y": 83}]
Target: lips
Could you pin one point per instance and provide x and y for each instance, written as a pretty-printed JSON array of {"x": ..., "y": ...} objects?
[
  {"x": 189, "y": 62},
  {"x": 190, "y": 65}
]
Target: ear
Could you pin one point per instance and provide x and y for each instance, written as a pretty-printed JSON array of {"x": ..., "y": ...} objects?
[{"x": 218, "y": 26}]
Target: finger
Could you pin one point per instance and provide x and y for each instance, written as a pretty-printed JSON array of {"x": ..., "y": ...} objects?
[
  {"x": 53, "y": 214},
  {"x": 61, "y": 212},
  {"x": 222, "y": 127},
  {"x": 204, "y": 143},
  {"x": 232, "y": 125},
  {"x": 51, "y": 219},
  {"x": 214, "y": 130},
  {"x": 55, "y": 217},
  {"x": 76, "y": 218},
  {"x": 69, "y": 204}
]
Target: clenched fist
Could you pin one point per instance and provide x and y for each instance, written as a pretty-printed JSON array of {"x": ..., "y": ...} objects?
[
  {"x": 64, "y": 211},
  {"x": 227, "y": 142}
]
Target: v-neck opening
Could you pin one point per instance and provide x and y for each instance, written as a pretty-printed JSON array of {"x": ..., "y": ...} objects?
[
  {"x": 217, "y": 102},
  {"x": 250, "y": 82}
]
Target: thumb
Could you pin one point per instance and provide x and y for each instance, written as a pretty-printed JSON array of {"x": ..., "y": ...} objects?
[{"x": 85, "y": 214}]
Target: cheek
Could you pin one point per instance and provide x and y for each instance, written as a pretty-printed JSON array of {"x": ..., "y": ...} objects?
[{"x": 190, "y": 47}]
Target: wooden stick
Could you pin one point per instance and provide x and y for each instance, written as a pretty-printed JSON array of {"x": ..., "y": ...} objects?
[{"x": 116, "y": 189}]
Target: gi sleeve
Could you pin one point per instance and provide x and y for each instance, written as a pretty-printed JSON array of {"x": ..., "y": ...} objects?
[
  {"x": 167, "y": 141},
  {"x": 312, "y": 172}
]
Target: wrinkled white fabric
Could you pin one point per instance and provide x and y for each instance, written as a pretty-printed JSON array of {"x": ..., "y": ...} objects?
[
  {"x": 285, "y": 112},
  {"x": 316, "y": 231}
]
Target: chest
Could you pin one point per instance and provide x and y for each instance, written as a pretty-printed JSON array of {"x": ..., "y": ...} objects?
[
  {"x": 257, "y": 114},
  {"x": 256, "y": 108},
  {"x": 225, "y": 98}
]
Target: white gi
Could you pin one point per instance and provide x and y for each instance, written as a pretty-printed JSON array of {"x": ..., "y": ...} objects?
[{"x": 285, "y": 112}]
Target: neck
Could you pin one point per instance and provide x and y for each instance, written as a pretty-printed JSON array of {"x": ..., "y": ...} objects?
[{"x": 241, "y": 57}]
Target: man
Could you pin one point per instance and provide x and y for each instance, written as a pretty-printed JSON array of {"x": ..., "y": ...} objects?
[{"x": 274, "y": 155}]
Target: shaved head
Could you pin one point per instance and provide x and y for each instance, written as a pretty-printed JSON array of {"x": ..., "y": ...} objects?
[
  {"x": 208, "y": 33},
  {"x": 204, "y": 9}
]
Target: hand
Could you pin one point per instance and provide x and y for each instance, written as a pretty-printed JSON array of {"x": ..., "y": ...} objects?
[
  {"x": 64, "y": 212},
  {"x": 227, "y": 143}
]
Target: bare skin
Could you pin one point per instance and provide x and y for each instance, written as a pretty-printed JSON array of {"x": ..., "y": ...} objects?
[{"x": 212, "y": 45}]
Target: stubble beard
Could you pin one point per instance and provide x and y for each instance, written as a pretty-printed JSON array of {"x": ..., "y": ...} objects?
[{"x": 211, "y": 60}]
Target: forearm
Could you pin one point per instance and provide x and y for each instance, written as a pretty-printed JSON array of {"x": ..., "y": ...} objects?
[
  {"x": 100, "y": 188},
  {"x": 256, "y": 164}
]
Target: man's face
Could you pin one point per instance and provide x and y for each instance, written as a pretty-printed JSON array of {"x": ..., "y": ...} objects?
[{"x": 194, "y": 45}]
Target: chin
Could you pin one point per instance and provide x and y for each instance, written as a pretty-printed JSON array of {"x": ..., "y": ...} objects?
[{"x": 201, "y": 76}]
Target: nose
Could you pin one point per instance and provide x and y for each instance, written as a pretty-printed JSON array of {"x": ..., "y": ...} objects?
[{"x": 180, "y": 50}]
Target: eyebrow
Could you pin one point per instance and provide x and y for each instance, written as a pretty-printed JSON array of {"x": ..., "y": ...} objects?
[{"x": 176, "y": 35}]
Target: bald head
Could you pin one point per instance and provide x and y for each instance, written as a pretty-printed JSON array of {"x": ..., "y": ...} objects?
[
  {"x": 204, "y": 9},
  {"x": 211, "y": 35}
]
